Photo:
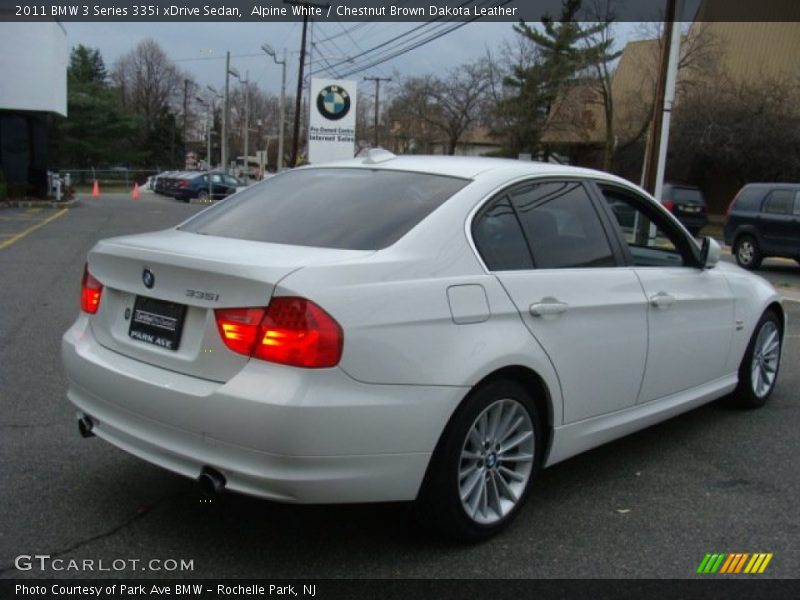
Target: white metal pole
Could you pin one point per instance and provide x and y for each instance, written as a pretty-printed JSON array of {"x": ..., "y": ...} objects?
[{"x": 669, "y": 98}]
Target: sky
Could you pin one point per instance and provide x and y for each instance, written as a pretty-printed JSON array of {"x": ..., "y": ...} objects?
[{"x": 199, "y": 48}]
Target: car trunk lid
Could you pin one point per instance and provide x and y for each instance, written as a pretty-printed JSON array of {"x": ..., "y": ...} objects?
[{"x": 190, "y": 275}]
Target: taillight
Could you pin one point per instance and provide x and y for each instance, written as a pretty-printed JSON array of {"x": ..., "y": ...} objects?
[
  {"x": 91, "y": 290},
  {"x": 239, "y": 328},
  {"x": 183, "y": 184},
  {"x": 291, "y": 331},
  {"x": 668, "y": 204},
  {"x": 730, "y": 206}
]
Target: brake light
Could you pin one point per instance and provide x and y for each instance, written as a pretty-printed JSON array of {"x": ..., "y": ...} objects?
[
  {"x": 183, "y": 184},
  {"x": 291, "y": 331},
  {"x": 91, "y": 290},
  {"x": 239, "y": 328},
  {"x": 669, "y": 205}
]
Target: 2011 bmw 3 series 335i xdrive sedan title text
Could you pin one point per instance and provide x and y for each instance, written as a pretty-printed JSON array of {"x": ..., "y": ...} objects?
[{"x": 427, "y": 329}]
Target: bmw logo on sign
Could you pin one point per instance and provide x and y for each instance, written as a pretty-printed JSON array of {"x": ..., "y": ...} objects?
[
  {"x": 333, "y": 102},
  {"x": 148, "y": 278}
]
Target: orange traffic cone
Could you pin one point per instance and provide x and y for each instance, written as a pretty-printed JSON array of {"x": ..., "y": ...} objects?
[
  {"x": 135, "y": 194},
  {"x": 96, "y": 189}
]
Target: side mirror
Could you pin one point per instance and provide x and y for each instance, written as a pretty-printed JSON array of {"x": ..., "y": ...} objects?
[{"x": 709, "y": 253}]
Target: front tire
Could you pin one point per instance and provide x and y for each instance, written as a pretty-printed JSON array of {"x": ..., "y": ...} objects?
[
  {"x": 483, "y": 466},
  {"x": 759, "y": 369},
  {"x": 202, "y": 195},
  {"x": 747, "y": 252}
]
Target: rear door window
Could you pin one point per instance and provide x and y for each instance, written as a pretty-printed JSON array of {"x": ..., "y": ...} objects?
[
  {"x": 343, "y": 208},
  {"x": 562, "y": 226}
]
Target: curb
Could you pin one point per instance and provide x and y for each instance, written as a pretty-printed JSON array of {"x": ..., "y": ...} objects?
[{"x": 38, "y": 204}]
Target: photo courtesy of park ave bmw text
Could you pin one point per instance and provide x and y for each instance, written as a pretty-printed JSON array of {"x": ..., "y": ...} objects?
[{"x": 401, "y": 298}]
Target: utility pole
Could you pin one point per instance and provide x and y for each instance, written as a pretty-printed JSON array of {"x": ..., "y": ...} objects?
[
  {"x": 299, "y": 98},
  {"x": 246, "y": 127},
  {"x": 225, "y": 111},
  {"x": 654, "y": 140},
  {"x": 271, "y": 52},
  {"x": 377, "y": 81},
  {"x": 185, "y": 115}
]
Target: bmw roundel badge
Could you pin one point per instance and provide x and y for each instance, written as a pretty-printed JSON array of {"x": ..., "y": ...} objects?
[
  {"x": 333, "y": 102},
  {"x": 148, "y": 278}
]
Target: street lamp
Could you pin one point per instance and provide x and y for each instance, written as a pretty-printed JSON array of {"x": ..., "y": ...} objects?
[
  {"x": 246, "y": 83},
  {"x": 271, "y": 52},
  {"x": 209, "y": 123},
  {"x": 226, "y": 116}
]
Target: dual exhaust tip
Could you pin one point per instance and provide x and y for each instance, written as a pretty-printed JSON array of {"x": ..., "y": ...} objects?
[{"x": 211, "y": 482}]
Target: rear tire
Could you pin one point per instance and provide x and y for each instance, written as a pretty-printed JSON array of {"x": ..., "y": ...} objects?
[
  {"x": 482, "y": 469},
  {"x": 759, "y": 369},
  {"x": 747, "y": 252}
]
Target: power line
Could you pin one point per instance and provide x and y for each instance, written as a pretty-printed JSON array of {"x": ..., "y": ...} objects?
[
  {"x": 432, "y": 38},
  {"x": 388, "y": 42}
]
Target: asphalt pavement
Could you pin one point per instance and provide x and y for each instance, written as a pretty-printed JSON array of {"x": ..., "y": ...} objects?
[{"x": 649, "y": 505}]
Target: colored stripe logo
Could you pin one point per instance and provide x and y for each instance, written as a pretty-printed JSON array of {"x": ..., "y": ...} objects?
[{"x": 734, "y": 563}]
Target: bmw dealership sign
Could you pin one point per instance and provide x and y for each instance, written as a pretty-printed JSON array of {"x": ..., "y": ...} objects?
[{"x": 332, "y": 123}]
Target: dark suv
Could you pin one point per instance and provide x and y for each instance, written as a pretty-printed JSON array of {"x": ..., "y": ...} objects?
[
  {"x": 764, "y": 220},
  {"x": 686, "y": 202}
]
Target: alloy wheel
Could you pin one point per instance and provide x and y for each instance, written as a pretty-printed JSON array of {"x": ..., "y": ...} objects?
[{"x": 496, "y": 461}]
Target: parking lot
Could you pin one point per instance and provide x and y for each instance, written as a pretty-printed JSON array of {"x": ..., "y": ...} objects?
[{"x": 649, "y": 505}]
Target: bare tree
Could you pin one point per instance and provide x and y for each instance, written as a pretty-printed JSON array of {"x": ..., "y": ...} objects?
[
  {"x": 448, "y": 106},
  {"x": 602, "y": 37},
  {"x": 149, "y": 81}
]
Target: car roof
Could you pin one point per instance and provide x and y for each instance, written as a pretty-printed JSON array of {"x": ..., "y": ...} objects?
[
  {"x": 470, "y": 167},
  {"x": 771, "y": 185}
]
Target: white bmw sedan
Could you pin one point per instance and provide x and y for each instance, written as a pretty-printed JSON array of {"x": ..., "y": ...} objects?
[{"x": 430, "y": 329}]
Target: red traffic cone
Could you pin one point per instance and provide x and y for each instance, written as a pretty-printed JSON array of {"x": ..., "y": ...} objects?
[
  {"x": 96, "y": 189},
  {"x": 135, "y": 194}
]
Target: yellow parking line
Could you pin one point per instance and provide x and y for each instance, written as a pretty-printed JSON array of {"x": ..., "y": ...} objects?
[{"x": 32, "y": 228}]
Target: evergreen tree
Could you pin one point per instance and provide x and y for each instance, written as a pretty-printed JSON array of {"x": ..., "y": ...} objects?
[
  {"x": 97, "y": 131},
  {"x": 564, "y": 49}
]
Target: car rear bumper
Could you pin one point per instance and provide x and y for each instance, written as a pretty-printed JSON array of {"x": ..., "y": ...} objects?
[{"x": 292, "y": 435}]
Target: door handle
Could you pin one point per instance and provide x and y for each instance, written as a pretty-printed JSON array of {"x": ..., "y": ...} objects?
[
  {"x": 548, "y": 307},
  {"x": 662, "y": 300}
]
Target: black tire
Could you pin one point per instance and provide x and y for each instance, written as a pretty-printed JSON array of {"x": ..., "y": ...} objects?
[
  {"x": 439, "y": 505},
  {"x": 747, "y": 394},
  {"x": 202, "y": 195},
  {"x": 747, "y": 253}
]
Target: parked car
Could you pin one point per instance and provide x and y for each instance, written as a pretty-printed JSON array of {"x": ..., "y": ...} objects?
[
  {"x": 428, "y": 329},
  {"x": 163, "y": 181},
  {"x": 196, "y": 186},
  {"x": 687, "y": 203},
  {"x": 764, "y": 220}
]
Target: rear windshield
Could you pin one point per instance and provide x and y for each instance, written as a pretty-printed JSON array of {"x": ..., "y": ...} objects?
[
  {"x": 349, "y": 209},
  {"x": 687, "y": 195}
]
